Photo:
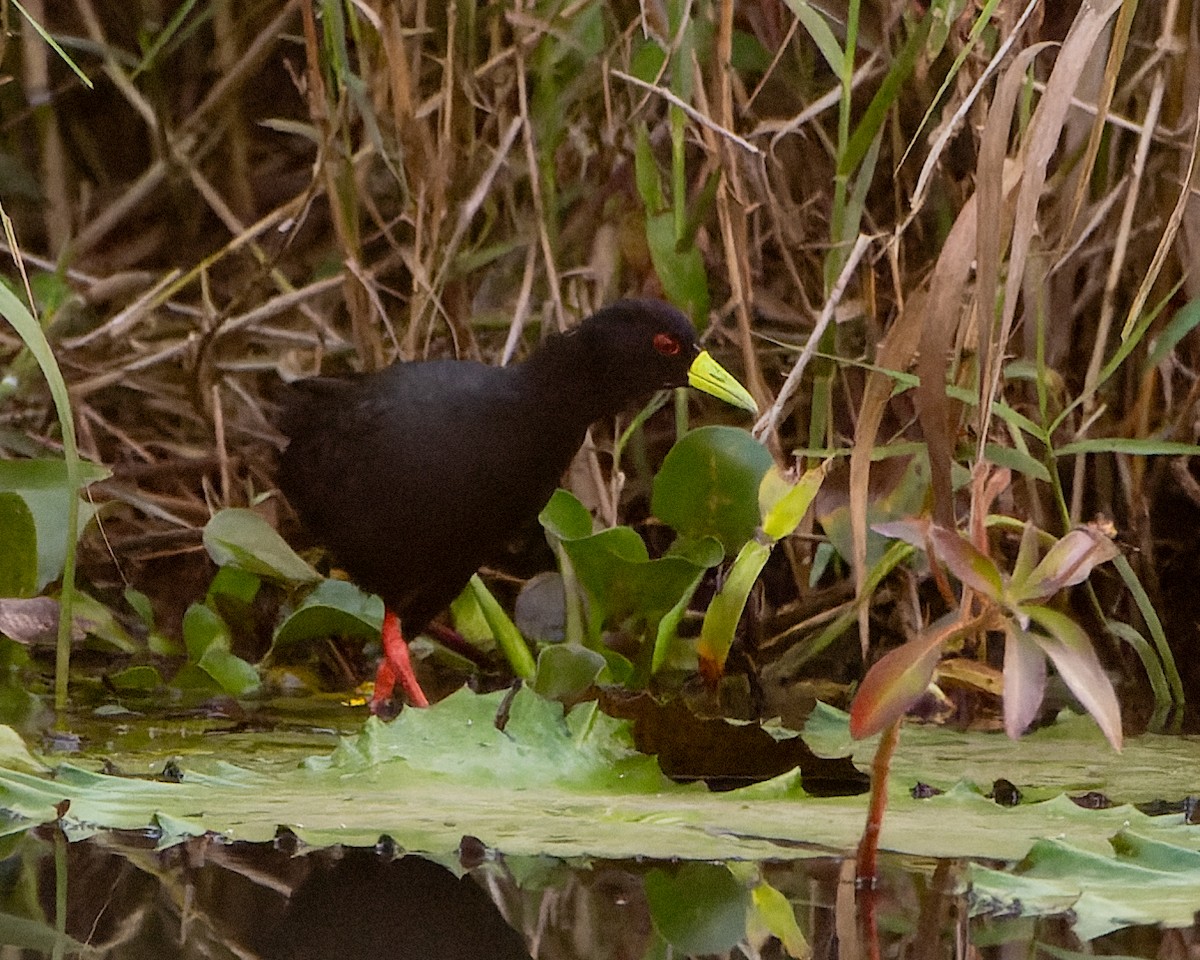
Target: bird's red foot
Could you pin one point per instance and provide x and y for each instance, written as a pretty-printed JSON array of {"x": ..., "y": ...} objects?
[{"x": 395, "y": 667}]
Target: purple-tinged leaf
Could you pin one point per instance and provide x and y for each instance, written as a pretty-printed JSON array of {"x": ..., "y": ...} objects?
[
  {"x": 894, "y": 684},
  {"x": 1027, "y": 556},
  {"x": 966, "y": 562},
  {"x": 899, "y": 679},
  {"x": 1069, "y": 562},
  {"x": 1075, "y": 659},
  {"x": 1024, "y": 680}
]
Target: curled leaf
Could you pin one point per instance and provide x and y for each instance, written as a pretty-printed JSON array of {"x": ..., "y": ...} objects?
[{"x": 1070, "y": 561}]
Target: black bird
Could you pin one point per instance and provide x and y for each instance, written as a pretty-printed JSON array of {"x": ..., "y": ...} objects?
[{"x": 418, "y": 474}]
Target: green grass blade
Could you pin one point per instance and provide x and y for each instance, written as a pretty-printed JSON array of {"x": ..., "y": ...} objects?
[{"x": 30, "y": 332}]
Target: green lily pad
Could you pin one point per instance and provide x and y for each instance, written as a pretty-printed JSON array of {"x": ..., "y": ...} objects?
[{"x": 549, "y": 783}]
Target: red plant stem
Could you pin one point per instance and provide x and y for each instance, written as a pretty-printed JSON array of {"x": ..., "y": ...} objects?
[{"x": 866, "y": 871}]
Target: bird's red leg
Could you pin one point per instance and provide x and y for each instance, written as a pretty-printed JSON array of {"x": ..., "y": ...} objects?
[{"x": 396, "y": 666}]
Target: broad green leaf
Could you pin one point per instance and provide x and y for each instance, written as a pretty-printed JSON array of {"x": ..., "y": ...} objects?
[
  {"x": 565, "y": 517},
  {"x": 98, "y": 620},
  {"x": 778, "y": 915},
  {"x": 14, "y": 755},
  {"x": 241, "y": 538},
  {"x": 624, "y": 586},
  {"x": 699, "y": 909},
  {"x": 564, "y": 671},
  {"x": 140, "y": 604},
  {"x": 45, "y": 487},
  {"x": 235, "y": 583},
  {"x": 19, "y": 556},
  {"x": 232, "y": 674},
  {"x": 571, "y": 786},
  {"x": 1075, "y": 659},
  {"x": 681, "y": 271},
  {"x": 708, "y": 485},
  {"x": 203, "y": 630},
  {"x": 46, "y": 474},
  {"x": 156, "y": 641},
  {"x": 1142, "y": 881},
  {"x": 334, "y": 608}
]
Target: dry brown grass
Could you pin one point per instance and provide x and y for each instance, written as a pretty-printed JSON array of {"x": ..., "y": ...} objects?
[{"x": 271, "y": 192}]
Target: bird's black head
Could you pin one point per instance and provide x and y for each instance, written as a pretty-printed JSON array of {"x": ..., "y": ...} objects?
[
  {"x": 639, "y": 346},
  {"x": 622, "y": 354}
]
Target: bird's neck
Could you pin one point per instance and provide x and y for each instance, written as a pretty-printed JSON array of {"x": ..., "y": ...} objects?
[{"x": 570, "y": 383}]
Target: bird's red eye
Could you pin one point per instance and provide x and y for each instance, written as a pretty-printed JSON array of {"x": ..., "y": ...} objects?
[{"x": 666, "y": 344}]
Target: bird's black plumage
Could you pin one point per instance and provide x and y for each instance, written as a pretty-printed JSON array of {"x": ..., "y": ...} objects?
[{"x": 418, "y": 474}]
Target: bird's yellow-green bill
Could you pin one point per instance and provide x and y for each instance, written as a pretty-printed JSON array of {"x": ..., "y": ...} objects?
[{"x": 708, "y": 375}]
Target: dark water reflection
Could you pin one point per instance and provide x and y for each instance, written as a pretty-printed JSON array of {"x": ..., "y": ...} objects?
[{"x": 207, "y": 899}]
